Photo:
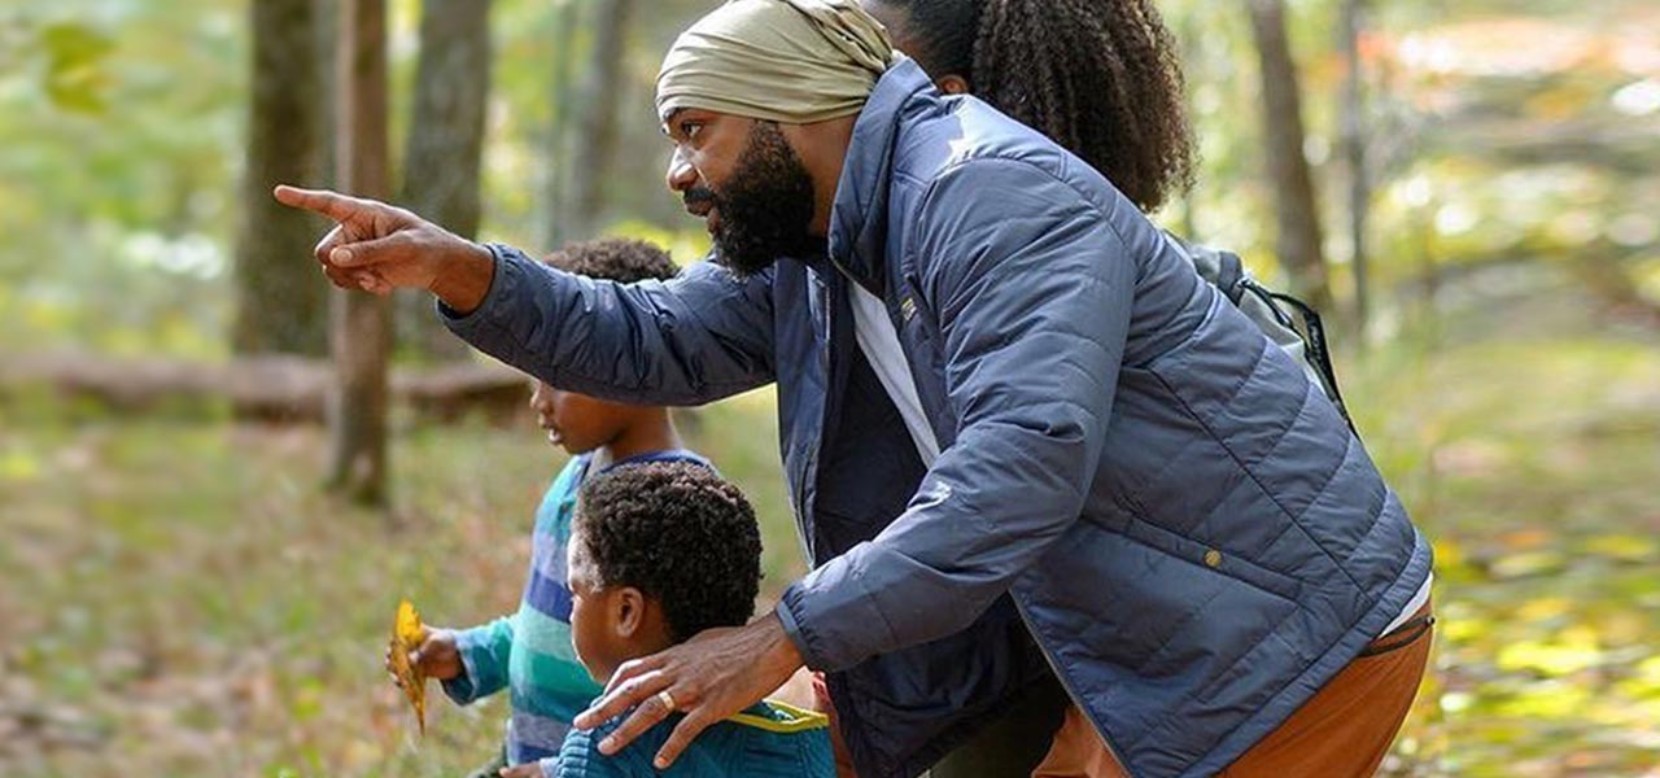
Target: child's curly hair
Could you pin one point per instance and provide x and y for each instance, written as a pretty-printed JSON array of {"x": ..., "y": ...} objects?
[
  {"x": 614, "y": 259},
  {"x": 680, "y": 534}
]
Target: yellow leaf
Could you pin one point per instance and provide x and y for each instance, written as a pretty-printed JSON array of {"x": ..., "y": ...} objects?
[{"x": 406, "y": 637}]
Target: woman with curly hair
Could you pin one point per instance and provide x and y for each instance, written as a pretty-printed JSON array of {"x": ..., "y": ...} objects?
[{"x": 1100, "y": 77}]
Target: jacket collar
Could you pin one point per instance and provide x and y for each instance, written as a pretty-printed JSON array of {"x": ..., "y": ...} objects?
[{"x": 858, "y": 217}]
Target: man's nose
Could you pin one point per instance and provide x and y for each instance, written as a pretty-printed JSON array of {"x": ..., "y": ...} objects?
[{"x": 681, "y": 175}]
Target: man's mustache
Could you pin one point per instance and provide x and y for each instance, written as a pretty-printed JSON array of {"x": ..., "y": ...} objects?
[{"x": 700, "y": 196}]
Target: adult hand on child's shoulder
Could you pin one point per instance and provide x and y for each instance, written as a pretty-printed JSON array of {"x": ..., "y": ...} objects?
[
  {"x": 717, "y": 673},
  {"x": 436, "y": 657}
]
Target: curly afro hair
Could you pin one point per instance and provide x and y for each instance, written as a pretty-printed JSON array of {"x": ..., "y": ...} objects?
[
  {"x": 614, "y": 259},
  {"x": 680, "y": 534},
  {"x": 1100, "y": 77}
]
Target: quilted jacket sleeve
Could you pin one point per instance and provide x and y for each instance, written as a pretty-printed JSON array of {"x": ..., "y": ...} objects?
[{"x": 699, "y": 337}]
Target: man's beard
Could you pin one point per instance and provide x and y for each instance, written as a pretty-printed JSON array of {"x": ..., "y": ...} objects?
[{"x": 765, "y": 207}]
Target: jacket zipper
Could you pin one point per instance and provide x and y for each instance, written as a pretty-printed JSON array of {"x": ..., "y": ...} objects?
[{"x": 1025, "y": 619}]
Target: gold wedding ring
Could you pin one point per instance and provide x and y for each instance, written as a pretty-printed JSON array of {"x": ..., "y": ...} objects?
[{"x": 667, "y": 700}]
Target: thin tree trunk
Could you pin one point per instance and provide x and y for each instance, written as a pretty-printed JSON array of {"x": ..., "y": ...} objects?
[
  {"x": 597, "y": 126},
  {"x": 279, "y": 302},
  {"x": 360, "y": 322},
  {"x": 557, "y": 145},
  {"x": 1427, "y": 321},
  {"x": 327, "y": 96},
  {"x": 1298, "y": 212},
  {"x": 1354, "y": 152},
  {"x": 445, "y": 150}
]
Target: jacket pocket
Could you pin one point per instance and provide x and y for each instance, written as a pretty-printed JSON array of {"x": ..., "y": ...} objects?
[{"x": 1214, "y": 558}]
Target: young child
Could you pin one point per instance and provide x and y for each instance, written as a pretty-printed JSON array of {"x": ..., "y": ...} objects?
[
  {"x": 529, "y": 653},
  {"x": 660, "y": 552}
]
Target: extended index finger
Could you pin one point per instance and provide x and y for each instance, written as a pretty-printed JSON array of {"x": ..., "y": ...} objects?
[{"x": 334, "y": 205}]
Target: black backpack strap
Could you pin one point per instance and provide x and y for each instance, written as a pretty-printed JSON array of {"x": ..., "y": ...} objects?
[
  {"x": 1318, "y": 351},
  {"x": 1230, "y": 272}
]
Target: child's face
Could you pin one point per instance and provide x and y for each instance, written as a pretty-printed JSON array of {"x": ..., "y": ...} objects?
[
  {"x": 575, "y": 422},
  {"x": 594, "y": 615}
]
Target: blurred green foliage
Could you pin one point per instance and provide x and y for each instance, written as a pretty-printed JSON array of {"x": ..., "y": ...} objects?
[
  {"x": 122, "y": 124},
  {"x": 190, "y": 605}
]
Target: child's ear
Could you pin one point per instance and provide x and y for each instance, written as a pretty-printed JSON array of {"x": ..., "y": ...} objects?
[
  {"x": 631, "y": 611},
  {"x": 952, "y": 84}
]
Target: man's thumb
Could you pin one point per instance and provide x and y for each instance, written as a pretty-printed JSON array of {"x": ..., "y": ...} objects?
[{"x": 368, "y": 252}]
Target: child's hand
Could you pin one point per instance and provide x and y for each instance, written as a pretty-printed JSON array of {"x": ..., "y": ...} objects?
[
  {"x": 526, "y": 770},
  {"x": 436, "y": 657}
]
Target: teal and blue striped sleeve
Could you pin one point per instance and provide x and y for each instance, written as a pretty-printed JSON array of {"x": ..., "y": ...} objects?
[{"x": 484, "y": 656}]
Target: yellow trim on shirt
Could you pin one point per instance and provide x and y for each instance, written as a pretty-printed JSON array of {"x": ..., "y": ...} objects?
[{"x": 795, "y": 719}]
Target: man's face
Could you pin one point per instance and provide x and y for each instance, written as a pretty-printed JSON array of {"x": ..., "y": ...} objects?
[{"x": 748, "y": 184}]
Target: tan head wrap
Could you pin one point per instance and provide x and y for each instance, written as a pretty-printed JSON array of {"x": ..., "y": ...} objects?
[{"x": 793, "y": 61}]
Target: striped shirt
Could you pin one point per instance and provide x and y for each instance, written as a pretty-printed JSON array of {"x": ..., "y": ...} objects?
[{"x": 529, "y": 653}]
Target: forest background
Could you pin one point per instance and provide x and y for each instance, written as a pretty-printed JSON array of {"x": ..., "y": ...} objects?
[{"x": 202, "y": 559}]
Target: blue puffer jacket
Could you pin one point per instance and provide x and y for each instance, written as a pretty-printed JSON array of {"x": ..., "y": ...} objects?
[{"x": 1129, "y": 472}]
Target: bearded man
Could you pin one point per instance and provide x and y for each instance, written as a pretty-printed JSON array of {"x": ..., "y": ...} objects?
[{"x": 1045, "y": 473}]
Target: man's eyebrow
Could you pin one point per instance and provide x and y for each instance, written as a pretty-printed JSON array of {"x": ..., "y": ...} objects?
[{"x": 668, "y": 122}]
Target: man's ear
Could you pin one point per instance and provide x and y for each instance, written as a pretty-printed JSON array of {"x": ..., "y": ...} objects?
[
  {"x": 952, "y": 84},
  {"x": 630, "y": 605}
]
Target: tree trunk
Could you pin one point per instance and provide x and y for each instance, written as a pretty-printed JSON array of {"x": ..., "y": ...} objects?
[
  {"x": 445, "y": 149},
  {"x": 360, "y": 323},
  {"x": 1299, "y": 220},
  {"x": 1354, "y": 153},
  {"x": 596, "y": 122},
  {"x": 555, "y": 168},
  {"x": 280, "y": 302},
  {"x": 327, "y": 95}
]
